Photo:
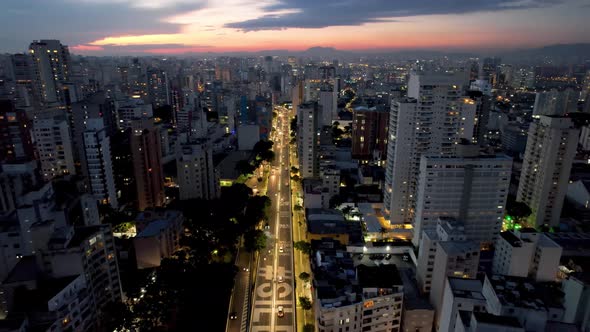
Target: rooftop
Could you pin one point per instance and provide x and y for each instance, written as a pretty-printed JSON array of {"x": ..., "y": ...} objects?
[
  {"x": 524, "y": 293},
  {"x": 466, "y": 288},
  {"x": 383, "y": 276},
  {"x": 486, "y": 318},
  {"x": 37, "y": 299},
  {"x": 459, "y": 248},
  {"x": 154, "y": 228},
  {"x": 25, "y": 269},
  {"x": 511, "y": 238}
]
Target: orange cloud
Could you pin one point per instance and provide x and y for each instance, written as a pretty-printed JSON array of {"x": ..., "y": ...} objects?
[{"x": 87, "y": 48}]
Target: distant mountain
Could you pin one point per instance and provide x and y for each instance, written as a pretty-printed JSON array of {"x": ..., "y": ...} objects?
[
  {"x": 562, "y": 53},
  {"x": 565, "y": 53}
]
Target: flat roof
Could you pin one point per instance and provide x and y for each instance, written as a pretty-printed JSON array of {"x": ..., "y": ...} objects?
[
  {"x": 466, "y": 288},
  {"x": 511, "y": 238},
  {"x": 25, "y": 269},
  {"x": 383, "y": 276},
  {"x": 154, "y": 228},
  {"x": 456, "y": 247},
  {"x": 486, "y": 318}
]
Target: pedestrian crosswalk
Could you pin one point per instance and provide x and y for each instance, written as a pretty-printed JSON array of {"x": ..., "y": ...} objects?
[{"x": 245, "y": 307}]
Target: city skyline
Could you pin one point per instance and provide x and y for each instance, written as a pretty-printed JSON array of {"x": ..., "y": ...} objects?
[{"x": 120, "y": 27}]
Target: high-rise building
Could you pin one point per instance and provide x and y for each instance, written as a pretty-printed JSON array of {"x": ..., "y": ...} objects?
[
  {"x": 51, "y": 62},
  {"x": 298, "y": 95},
  {"x": 308, "y": 136},
  {"x": 447, "y": 229},
  {"x": 546, "y": 167},
  {"x": 196, "y": 174},
  {"x": 433, "y": 119},
  {"x": 90, "y": 251},
  {"x": 454, "y": 259},
  {"x": 471, "y": 188},
  {"x": 483, "y": 102},
  {"x": 15, "y": 136},
  {"x": 459, "y": 294},
  {"x": 53, "y": 141},
  {"x": 555, "y": 102},
  {"x": 158, "y": 87},
  {"x": 24, "y": 76},
  {"x": 129, "y": 110},
  {"x": 369, "y": 133},
  {"x": 97, "y": 162},
  {"x": 523, "y": 78},
  {"x": 328, "y": 102},
  {"x": 147, "y": 164}
]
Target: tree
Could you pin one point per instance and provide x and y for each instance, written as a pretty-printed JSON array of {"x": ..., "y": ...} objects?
[
  {"x": 347, "y": 210},
  {"x": 382, "y": 231},
  {"x": 304, "y": 276},
  {"x": 305, "y": 302},
  {"x": 257, "y": 209},
  {"x": 294, "y": 169},
  {"x": 295, "y": 178},
  {"x": 237, "y": 195},
  {"x": 308, "y": 328},
  {"x": 335, "y": 201},
  {"x": 298, "y": 207},
  {"x": 304, "y": 246},
  {"x": 244, "y": 167},
  {"x": 293, "y": 124},
  {"x": 520, "y": 211},
  {"x": 261, "y": 146},
  {"x": 254, "y": 240},
  {"x": 267, "y": 155},
  {"x": 337, "y": 133}
]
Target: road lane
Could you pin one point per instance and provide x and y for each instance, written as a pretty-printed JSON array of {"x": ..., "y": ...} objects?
[{"x": 270, "y": 293}]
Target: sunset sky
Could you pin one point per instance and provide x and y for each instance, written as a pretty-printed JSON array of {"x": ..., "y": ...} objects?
[{"x": 103, "y": 27}]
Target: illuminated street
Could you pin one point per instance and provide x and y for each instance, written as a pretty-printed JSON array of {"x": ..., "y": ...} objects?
[{"x": 275, "y": 277}]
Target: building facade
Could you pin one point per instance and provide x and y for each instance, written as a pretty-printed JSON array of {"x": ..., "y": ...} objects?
[
  {"x": 435, "y": 116},
  {"x": 546, "y": 167}
]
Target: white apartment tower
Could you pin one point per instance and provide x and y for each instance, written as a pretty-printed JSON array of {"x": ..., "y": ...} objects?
[
  {"x": 51, "y": 62},
  {"x": 308, "y": 137},
  {"x": 53, "y": 141},
  {"x": 550, "y": 150},
  {"x": 97, "y": 157},
  {"x": 328, "y": 102},
  {"x": 432, "y": 120},
  {"x": 555, "y": 102},
  {"x": 196, "y": 174},
  {"x": 456, "y": 260},
  {"x": 470, "y": 188},
  {"x": 447, "y": 229}
]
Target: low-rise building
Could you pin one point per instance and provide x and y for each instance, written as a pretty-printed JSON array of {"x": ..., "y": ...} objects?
[
  {"x": 527, "y": 253},
  {"x": 532, "y": 303},
  {"x": 457, "y": 259},
  {"x": 330, "y": 223},
  {"x": 576, "y": 290},
  {"x": 88, "y": 250},
  {"x": 468, "y": 321},
  {"x": 447, "y": 229},
  {"x": 158, "y": 238},
  {"x": 355, "y": 299},
  {"x": 459, "y": 294}
]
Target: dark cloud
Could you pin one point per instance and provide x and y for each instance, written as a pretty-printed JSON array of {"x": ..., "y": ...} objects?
[
  {"x": 78, "y": 23},
  {"x": 325, "y": 13}
]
